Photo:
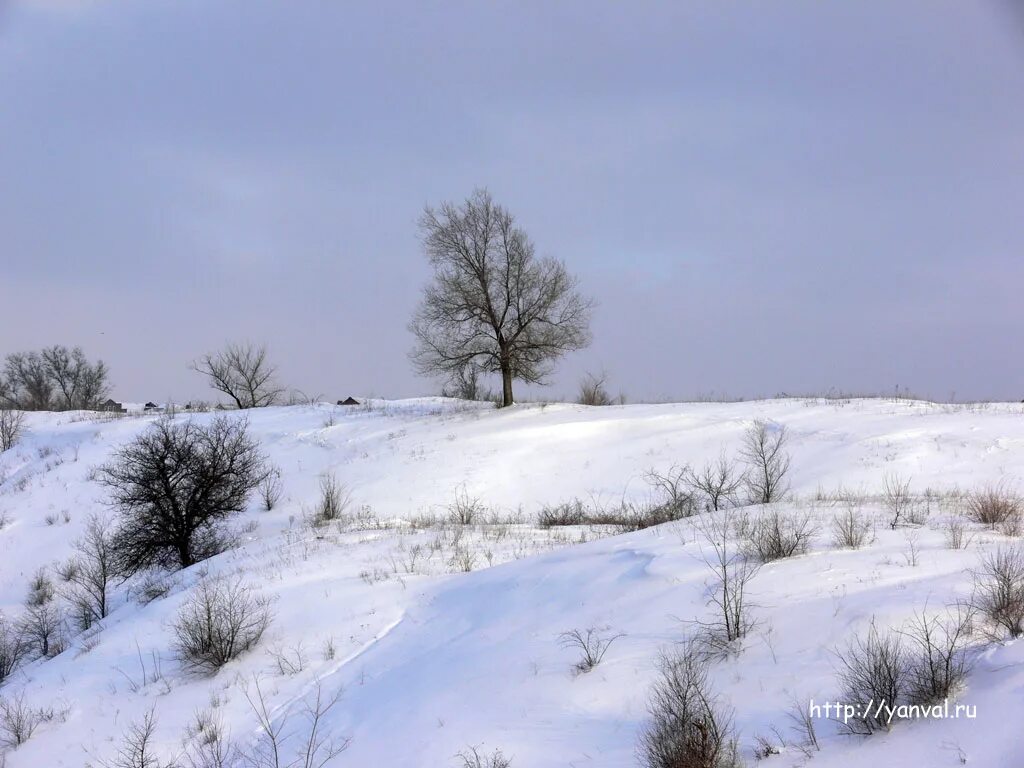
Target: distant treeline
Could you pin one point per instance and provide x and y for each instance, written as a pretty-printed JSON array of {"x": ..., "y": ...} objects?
[{"x": 53, "y": 379}]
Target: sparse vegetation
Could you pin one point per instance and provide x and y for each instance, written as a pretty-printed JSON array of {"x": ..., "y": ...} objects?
[
  {"x": 994, "y": 506},
  {"x": 773, "y": 535},
  {"x": 999, "y": 591},
  {"x": 851, "y": 529},
  {"x": 221, "y": 620},
  {"x": 591, "y": 644}
]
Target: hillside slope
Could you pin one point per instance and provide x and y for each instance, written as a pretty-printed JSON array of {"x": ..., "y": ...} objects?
[{"x": 429, "y": 659}]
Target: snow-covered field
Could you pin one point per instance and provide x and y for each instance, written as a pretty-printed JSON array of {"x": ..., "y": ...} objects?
[{"x": 441, "y": 637}]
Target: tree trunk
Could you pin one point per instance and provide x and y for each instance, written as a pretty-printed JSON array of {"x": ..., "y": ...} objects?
[{"x": 506, "y": 385}]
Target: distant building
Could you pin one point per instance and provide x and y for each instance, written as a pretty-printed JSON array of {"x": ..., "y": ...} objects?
[
  {"x": 113, "y": 406},
  {"x": 151, "y": 407},
  {"x": 348, "y": 401}
]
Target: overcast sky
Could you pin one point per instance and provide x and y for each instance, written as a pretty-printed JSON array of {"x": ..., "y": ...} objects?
[{"x": 762, "y": 197}]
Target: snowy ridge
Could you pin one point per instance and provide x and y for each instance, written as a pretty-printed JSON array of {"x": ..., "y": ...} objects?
[{"x": 431, "y": 660}]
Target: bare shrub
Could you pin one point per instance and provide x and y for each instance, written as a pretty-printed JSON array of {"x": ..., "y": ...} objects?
[
  {"x": 473, "y": 757},
  {"x": 852, "y": 530},
  {"x": 176, "y": 486},
  {"x": 12, "y": 425},
  {"x": 938, "y": 659},
  {"x": 270, "y": 489},
  {"x": 19, "y": 720},
  {"x": 90, "y": 573},
  {"x": 221, "y": 620},
  {"x": 897, "y": 498},
  {"x": 40, "y": 589},
  {"x": 572, "y": 512},
  {"x": 334, "y": 502},
  {"x": 773, "y": 535},
  {"x": 210, "y": 744},
  {"x": 14, "y": 647},
  {"x": 593, "y": 391},
  {"x": 731, "y": 576},
  {"x": 314, "y": 749},
  {"x": 718, "y": 482},
  {"x": 465, "y": 509},
  {"x": 43, "y": 627},
  {"x": 994, "y": 505},
  {"x": 243, "y": 373},
  {"x": 957, "y": 535},
  {"x": 764, "y": 451},
  {"x": 689, "y": 725},
  {"x": 674, "y": 490},
  {"x": 591, "y": 644},
  {"x": 137, "y": 749},
  {"x": 873, "y": 669},
  {"x": 999, "y": 591}
]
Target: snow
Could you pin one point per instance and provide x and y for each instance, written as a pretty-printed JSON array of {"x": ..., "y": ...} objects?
[{"x": 431, "y": 659}]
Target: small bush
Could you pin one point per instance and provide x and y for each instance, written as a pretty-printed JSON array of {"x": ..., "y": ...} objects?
[
  {"x": 689, "y": 725},
  {"x": 773, "y": 535},
  {"x": 939, "y": 663},
  {"x": 14, "y": 647},
  {"x": 874, "y": 669},
  {"x": 675, "y": 490},
  {"x": 999, "y": 591},
  {"x": 593, "y": 391},
  {"x": 565, "y": 513},
  {"x": 994, "y": 506},
  {"x": 335, "y": 500},
  {"x": 897, "y": 497},
  {"x": 18, "y": 721},
  {"x": 852, "y": 530},
  {"x": 270, "y": 489},
  {"x": 40, "y": 589},
  {"x": 718, "y": 483},
  {"x": 12, "y": 424},
  {"x": 591, "y": 644},
  {"x": 219, "y": 622},
  {"x": 473, "y": 757},
  {"x": 465, "y": 509},
  {"x": 957, "y": 535}
]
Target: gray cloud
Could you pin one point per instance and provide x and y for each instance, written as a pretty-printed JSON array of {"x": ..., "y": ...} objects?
[{"x": 787, "y": 197}]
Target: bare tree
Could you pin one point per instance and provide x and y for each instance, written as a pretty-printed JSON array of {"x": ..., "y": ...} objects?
[
  {"x": 77, "y": 383},
  {"x": 243, "y": 373},
  {"x": 593, "y": 390},
  {"x": 316, "y": 747},
  {"x": 12, "y": 423},
  {"x": 175, "y": 486},
  {"x": 764, "y": 451},
  {"x": 718, "y": 482},
  {"x": 465, "y": 384},
  {"x": 898, "y": 499},
  {"x": 732, "y": 574},
  {"x": 28, "y": 385},
  {"x": 493, "y": 302},
  {"x": 56, "y": 378},
  {"x": 90, "y": 572}
]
